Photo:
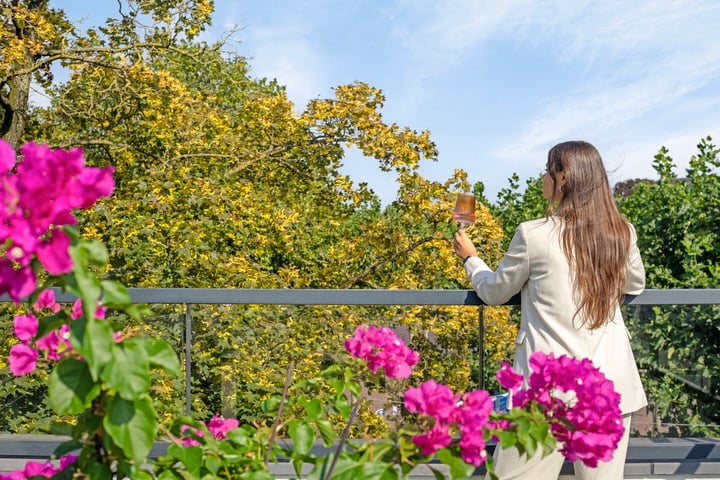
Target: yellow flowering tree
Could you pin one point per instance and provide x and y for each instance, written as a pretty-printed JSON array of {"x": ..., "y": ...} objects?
[
  {"x": 36, "y": 38},
  {"x": 221, "y": 182}
]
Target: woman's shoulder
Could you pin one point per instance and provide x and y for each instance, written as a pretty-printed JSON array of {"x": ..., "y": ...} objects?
[
  {"x": 540, "y": 223},
  {"x": 531, "y": 229}
]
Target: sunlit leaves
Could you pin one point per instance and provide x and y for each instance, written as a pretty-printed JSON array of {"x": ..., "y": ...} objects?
[
  {"x": 223, "y": 182},
  {"x": 677, "y": 221}
]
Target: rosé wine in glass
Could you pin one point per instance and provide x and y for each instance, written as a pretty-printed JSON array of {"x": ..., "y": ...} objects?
[{"x": 464, "y": 209}]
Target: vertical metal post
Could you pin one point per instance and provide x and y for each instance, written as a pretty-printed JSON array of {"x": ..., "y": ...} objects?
[
  {"x": 188, "y": 361},
  {"x": 481, "y": 322}
]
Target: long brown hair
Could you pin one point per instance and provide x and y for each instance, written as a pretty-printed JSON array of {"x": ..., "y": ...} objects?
[{"x": 595, "y": 237}]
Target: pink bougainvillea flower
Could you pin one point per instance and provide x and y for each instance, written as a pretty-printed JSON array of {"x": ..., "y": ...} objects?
[
  {"x": 468, "y": 414},
  {"x": 475, "y": 410},
  {"x": 7, "y": 157},
  {"x": 24, "y": 239},
  {"x": 55, "y": 342},
  {"x": 46, "y": 299},
  {"x": 53, "y": 253},
  {"x": 472, "y": 447},
  {"x": 16, "y": 282},
  {"x": 189, "y": 440},
  {"x": 77, "y": 310},
  {"x": 36, "y": 469},
  {"x": 436, "y": 438},
  {"x": 432, "y": 398},
  {"x": 220, "y": 426},
  {"x": 508, "y": 378},
  {"x": 25, "y": 327},
  {"x": 37, "y": 198},
  {"x": 581, "y": 403},
  {"x": 94, "y": 183},
  {"x": 15, "y": 475},
  {"x": 67, "y": 460},
  {"x": 22, "y": 360},
  {"x": 100, "y": 311},
  {"x": 379, "y": 347},
  {"x": 49, "y": 343}
]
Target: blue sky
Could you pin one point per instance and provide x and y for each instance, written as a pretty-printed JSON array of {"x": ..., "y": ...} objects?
[{"x": 497, "y": 83}]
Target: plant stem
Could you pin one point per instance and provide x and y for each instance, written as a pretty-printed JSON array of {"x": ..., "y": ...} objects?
[
  {"x": 345, "y": 434},
  {"x": 273, "y": 432}
]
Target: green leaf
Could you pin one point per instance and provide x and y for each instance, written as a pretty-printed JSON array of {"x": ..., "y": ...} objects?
[
  {"x": 190, "y": 457},
  {"x": 94, "y": 340},
  {"x": 99, "y": 471},
  {"x": 140, "y": 473},
  {"x": 213, "y": 464},
  {"x": 137, "y": 310},
  {"x": 303, "y": 436},
  {"x": 350, "y": 469},
  {"x": 161, "y": 355},
  {"x": 313, "y": 408},
  {"x": 327, "y": 432},
  {"x": 96, "y": 252},
  {"x": 436, "y": 473},
  {"x": 342, "y": 405},
  {"x": 128, "y": 371},
  {"x": 132, "y": 425},
  {"x": 271, "y": 404},
  {"x": 71, "y": 388},
  {"x": 67, "y": 447},
  {"x": 384, "y": 448},
  {"x": 115, "y": 295},
  {"x": 458, "y": 467},
  {"x": 81, "y": 281},
  {"x": 507, "y": 438}
]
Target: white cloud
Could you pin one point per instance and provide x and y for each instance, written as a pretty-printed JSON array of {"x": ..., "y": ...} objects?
[
  {"x": 635, "y": 62},
  {"x": 648, "y": 79},
  {"x": 280, "y": 47},
  {"x": 634, "y": 159}
]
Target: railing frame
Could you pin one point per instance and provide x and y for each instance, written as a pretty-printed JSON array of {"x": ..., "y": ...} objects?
[
  {"x": 259, "y": 296},
  {"x": 647, "y": 457}
]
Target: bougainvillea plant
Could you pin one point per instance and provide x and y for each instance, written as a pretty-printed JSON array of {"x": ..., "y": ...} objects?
[{"x": 101, "y": 375}]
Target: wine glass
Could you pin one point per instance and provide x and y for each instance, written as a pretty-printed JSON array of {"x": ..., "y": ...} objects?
[{"x": 464, "y": 209}]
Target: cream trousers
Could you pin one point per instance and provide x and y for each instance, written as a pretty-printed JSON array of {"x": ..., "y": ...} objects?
[{"x": 509, "y": 465}]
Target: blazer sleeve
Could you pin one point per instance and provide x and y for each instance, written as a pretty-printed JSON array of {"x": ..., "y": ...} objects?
[
  {"x": 496, "y": 288},
  {"x": 635, "y": 271}
]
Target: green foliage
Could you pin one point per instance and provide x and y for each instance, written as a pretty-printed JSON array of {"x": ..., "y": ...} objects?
[
  {"x": 678, "y": 222},
  {"x": 103, "y": 382},
  {"x": 222, "y": 182}
]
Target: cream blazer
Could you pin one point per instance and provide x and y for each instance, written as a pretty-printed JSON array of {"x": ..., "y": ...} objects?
[{"x": 536, "y": 266}]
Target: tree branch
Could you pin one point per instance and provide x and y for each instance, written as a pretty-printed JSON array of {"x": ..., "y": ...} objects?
[
  {"x": 80, "y": 55},
  {"x": 372, "y": 268}
]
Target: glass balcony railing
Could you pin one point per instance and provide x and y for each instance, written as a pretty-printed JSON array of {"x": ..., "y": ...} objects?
[
  {"x": 672, "y": 353},
  {"x": 699, "y": 310}
]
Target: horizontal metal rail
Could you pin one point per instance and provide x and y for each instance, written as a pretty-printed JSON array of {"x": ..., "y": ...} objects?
[{"x": 261, "y": 296}]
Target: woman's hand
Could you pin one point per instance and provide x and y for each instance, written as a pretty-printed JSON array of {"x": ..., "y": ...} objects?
[{"x": 464, "y": 247}]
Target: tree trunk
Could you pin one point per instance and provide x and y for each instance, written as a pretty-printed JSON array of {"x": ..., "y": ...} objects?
[{"x": 16, "y": 110}]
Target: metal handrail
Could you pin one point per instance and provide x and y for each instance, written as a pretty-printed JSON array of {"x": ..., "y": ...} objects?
[{"x": 309, "y": 296}]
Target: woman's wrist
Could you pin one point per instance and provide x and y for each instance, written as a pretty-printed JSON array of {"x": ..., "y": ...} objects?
[{"x": 466, "y": 259}]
